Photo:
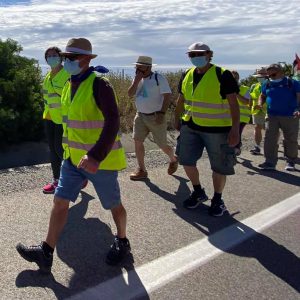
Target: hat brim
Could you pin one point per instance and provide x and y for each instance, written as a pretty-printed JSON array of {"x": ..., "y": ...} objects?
[
  {"x": 66, "y": 54},
  {"x": 259, "y": 75},
  {"x": 141, "y": 64}
]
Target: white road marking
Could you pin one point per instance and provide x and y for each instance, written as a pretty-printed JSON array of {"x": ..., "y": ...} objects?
[{"x": 159, "y": 272}]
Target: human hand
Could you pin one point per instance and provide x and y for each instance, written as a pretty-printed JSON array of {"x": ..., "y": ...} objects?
[
  {"x": 258, "y": 106},
  {"x": 233, "y": 137},
  {"x": 297, "y": 114},
  {"x": 88, "y": 164},
  {"x": 138, "y": 75}
]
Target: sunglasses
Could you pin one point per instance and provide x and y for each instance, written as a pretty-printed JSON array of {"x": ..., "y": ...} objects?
[
  {"x": 273, "y": 75},
  {"x": 71, "y": 57},
  {"x": 195, "y": 54}
]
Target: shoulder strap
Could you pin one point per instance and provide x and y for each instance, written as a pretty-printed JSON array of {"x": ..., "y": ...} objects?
[
  {"x": 219, "y": 73},
  {"x": 156, "y": 79}
]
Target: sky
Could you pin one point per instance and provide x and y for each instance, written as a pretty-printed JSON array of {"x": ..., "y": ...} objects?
[{"x": 244, "y": 35}]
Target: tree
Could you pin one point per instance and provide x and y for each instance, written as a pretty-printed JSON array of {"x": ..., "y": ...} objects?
[{"x": 21, "y": 101}]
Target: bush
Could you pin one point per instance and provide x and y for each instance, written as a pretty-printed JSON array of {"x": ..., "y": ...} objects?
[{"x": 20, "y": 96}]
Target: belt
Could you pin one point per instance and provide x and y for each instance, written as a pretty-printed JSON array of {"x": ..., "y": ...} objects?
[{"x": 151, "y": 114}]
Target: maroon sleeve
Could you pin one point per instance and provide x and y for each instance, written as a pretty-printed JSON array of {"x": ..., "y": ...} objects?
[{"x": 105, "y": 99}]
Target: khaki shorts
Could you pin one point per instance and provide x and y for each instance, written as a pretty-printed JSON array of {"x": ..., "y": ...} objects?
[
  {"x": 143, "y": 124},
  {"x": 259, "y": 119}
]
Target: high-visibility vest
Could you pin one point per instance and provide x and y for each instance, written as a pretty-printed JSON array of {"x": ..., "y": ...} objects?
[
  {"x": 245, "y": 112},
  {"x": 52, "y": 89},
  {"x": 256, "y": 91},
  {"x": 204, "y": 104},
  {"x": 83, "y": 123}
]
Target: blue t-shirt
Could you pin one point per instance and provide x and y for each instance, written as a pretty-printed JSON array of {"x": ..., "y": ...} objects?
[{"x": 281, "y": 96}]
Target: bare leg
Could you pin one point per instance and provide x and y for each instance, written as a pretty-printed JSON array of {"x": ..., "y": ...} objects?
[
  {"x": 58, "y": 219},
  {"x": 193, "y": 174},
  {"x": 170, "y": 152},
  {"x": 258, "y": 134},
  {"x": 140, "y": 154},
  {"x": 120, "y": 216},
  {"x": 219, "y": 181}
]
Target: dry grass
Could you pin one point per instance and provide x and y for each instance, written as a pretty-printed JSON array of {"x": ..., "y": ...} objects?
[{"x": 126, "y": 105}]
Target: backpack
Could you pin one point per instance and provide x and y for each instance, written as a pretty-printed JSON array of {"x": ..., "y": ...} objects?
[{"x": 288, "y": 84}]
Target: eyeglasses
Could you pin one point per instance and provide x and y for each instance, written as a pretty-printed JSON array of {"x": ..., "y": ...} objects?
[
  {"x": 273, "y": 75},
  {"x": 195, "y": 54},
  {"x": 71, "y": 57}
]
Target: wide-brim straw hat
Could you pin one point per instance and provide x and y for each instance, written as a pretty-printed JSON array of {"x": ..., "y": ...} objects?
[
  {"x": 144, "y": 61},
  {"x": 79, "y": 46},
  {"x": 262, "y": 72}
]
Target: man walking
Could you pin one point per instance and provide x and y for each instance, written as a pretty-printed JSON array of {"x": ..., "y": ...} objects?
[
  {"x": 152, "y": 98},
  {"x": 282, "y": 96},
  {"x": 92, "y": 150},
  {"x": 210, "y": 117}
]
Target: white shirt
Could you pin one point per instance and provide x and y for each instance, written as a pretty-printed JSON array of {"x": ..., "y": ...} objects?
[{"x": 149, "y": 96}]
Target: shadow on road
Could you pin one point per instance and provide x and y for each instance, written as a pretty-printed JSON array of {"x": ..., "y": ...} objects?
[
  {"x": 83, "y": 246},
  {"x": 285, "y": 177},
  {"x": 274, "y": 257}
]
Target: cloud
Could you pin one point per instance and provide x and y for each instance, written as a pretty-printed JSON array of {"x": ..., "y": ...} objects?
[{"x": 239, "y": 32}]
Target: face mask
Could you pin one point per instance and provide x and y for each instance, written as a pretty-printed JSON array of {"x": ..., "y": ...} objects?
[
  {"x": 53, "y": 61},
  {"x": 72, "y": 66},
  {"x": 276, "y": 80},
  {"x": 199, "y": 61},
  {"x": 261, "y": 79}
]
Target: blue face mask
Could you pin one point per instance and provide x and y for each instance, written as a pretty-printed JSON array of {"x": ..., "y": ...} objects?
[
  {"x": 72, "y": 66},
  {"x": 53, "y": 61},
  {"x": 199, "y": 61}
]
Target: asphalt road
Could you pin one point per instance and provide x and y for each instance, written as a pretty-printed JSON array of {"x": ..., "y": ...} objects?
[{"x": 264, "y": 266}]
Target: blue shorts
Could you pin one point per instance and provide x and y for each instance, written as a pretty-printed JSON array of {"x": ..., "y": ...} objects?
[
  {"x": 192, "y": 143},
  {"x": 105, "y": 183}
]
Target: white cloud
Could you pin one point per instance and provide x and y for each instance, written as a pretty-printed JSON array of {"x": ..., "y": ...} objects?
[{"x": 240, "y": 32}]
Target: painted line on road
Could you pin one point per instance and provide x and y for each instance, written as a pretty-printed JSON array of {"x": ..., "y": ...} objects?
[{"x": 157, "y": 273}]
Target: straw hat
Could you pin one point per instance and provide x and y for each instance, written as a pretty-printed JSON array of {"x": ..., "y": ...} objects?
[
  {"x": 144, "y": 61},
  {"x": 78, "y": 46}
]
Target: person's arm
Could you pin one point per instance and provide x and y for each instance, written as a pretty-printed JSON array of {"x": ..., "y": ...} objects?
[
  {"x": 244, "y": 99},
  {"x": 133, "y": 88},
  {"x": 233, "y": 137},
  {"x": 166, "y": 102},
  {"x": 261, "y": 101},
  {"x": 297, "y": 112},
  {"x": 179, "y": 110}
]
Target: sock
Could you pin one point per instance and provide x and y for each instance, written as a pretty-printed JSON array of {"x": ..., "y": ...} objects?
[
  {"x": 217, "y": 196},
  {"x": 47, "y": 249},
  {"x": 197, "y": 188}
]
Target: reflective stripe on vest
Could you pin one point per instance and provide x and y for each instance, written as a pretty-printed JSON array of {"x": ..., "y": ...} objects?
[
  {"x": 204, "y": 104},
  {"x": 83, "y": 123}
]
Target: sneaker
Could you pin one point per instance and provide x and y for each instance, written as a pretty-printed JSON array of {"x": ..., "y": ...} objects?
[
  {"x": 118, "y": 251},
  {"x": 255, "y": 150},
  {"x": 217, "y": 208},
  {"x": 50, "y": 187},
  {"x": 266, "y": 166},
  {"x": 85, "y": 183},
  {"x": 37, "y": 255},
  {"x": 139, "y": 175},
  {"x": 195, "y": 199},
  {"x": 290, "y": 166},
  {"x": 173, "y": 166}
]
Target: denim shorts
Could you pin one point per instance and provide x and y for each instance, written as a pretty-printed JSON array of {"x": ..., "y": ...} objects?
[
  {"x": 192, "y": 143},
  {"x": 105, "y": 183}
]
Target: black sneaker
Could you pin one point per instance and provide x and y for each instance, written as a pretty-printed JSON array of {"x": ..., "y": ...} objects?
[
  {"x": 217, "y": 208},
  {"x": 37, "y": 255},
  {"x": 119, "y": 250},
  {"x": 195, "y": 199},
  {"x": 255, "y": 150}
]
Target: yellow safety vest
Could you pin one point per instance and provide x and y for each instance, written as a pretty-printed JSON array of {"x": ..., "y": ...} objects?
[
  {"x": 204, "y": 104},
  {"x": 52, "y": 89},
  {"x": 83, "y": 123},
  {"x": 256, "y": 91},
  {"x": 245, "y": 112}
]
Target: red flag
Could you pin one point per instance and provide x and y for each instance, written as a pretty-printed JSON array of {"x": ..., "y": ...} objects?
[{"x": 298, "y": 62}]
